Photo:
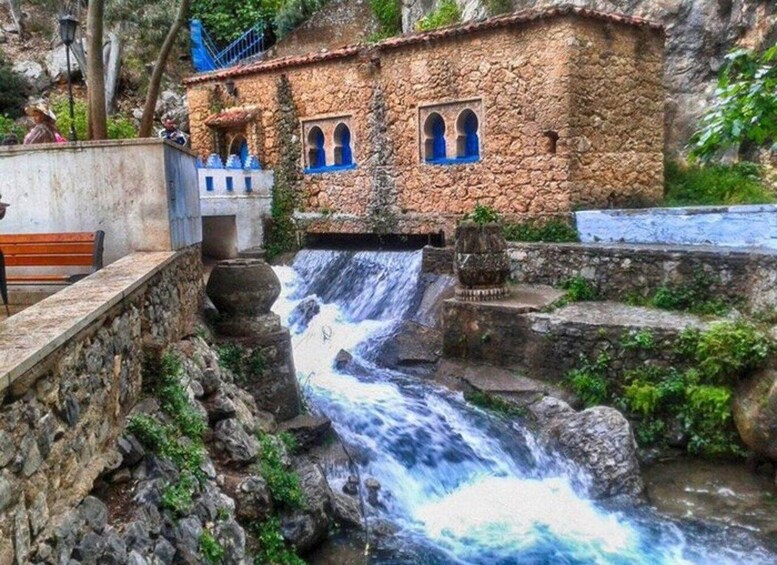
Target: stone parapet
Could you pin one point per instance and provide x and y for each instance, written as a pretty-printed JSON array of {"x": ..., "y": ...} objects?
[{"x": 70, "y": 371}]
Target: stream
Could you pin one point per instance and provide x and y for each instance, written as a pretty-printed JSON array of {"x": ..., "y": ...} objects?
[{"x": 458, "y": 485}]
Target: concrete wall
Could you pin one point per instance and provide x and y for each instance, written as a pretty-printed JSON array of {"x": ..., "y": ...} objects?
[
  {"x": 70, "y": 371},
  {"x": 728, "y": 226},
  {"x": 142, "y": 193}
]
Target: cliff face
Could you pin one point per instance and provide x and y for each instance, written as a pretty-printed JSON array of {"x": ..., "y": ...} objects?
[{"x": 699, "y": 34}]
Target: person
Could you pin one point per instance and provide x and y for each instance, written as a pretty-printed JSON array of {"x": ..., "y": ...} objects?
[
  {"x": 172, "y": 132},
  {"x": 45, "y": 128}
]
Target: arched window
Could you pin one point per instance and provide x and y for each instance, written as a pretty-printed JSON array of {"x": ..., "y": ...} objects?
[
  {"x": 343, "y": 155},
  {"x": 434, "y": 131},
  {"x": 316, "y": 152},
  {"x": 239, "y": 146},
  {"x": 467, "y": 141}
]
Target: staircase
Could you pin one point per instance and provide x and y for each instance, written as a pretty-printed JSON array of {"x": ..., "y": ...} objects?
[{"x": 206, "y": 55}]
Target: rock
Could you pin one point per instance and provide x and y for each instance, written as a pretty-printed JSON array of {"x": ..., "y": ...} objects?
[
  {"x": 7, "y": 493},
  {"x": 94, "y": 513},
  {"x": 232, "y": 539},
  {"x": 164, "y": 551},
  {"x": 306, "y": 310},
  {"x": 21, "y": 535},
  {"x": 219, "y": 408},
  {"x": 115, "y": 550},
  {"x": 7, "y": 449},
  {"x": 347, "y": 511},
  {"x": 306, "y": 527},
  {"x": 307, "y": 429},
  {"x": 90, "y": 548},
  {"x": 372, "y": 486},
  {"x": 33, "y": 72},
  {"x": 755, "y": 412},
  {"x": 135, "y": 558},
  {"x": 173, "y": 104},
  {"x": 342, "y": 359},
  {"x": 232, "y": 439},
  {"x": 136, "y": 537},
  {"x": 210, "y": 381},
  {"x": 252, "y": 499},
  {"x": 600, "y": 441},
  {"x": 56, "y": 65},
  {"x": 187, "y": 540},
  {"x": 351, "y": 486},
  {"x": 412, "y": 345}
]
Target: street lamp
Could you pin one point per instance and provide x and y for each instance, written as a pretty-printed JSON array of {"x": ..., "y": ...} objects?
[{"x": 68, "y": 24}]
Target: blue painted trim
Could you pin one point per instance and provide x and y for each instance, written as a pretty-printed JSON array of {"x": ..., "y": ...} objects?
[
  {"x": 456, "y": 161},
  {"x": 249, "y": 185},
  {"x": 209, "y": 184},
  {"x": 230, "y": 184},
  {"x": 330, "y": 169}
]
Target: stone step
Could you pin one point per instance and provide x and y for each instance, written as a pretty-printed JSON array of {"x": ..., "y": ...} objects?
[
  {"x": 252, "y": 253},
  {"x": 544, "y": 345}
]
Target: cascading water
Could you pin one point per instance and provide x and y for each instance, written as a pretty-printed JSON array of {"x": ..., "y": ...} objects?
[{"x": 458, "y": 485}]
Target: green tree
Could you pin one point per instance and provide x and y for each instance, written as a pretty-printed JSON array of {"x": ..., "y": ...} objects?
[{"x": 745, "y": 106}]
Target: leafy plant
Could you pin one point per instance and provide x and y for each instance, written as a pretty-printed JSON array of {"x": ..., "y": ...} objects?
[
  {"x": 709, "y": 421},
  {"x": 696, "y": 296},
  {"x": 272, "y": 546},
  {"x": 210, "y": 548},
  {"x": 447, "y": 13},
  {"x": 589, "y": 381},
  {"x": 692, "y": 185},
  {"x": 119, "y": 127},
  {"x": 389, "y": 16},
  {"x": 7, "y": 125},
  {"x": 745, "y": 106},
  {"x": 13, "y": 90},
  {"x": 292, "y": 13},
  {"x": 226, "y": 20},
  {"x": 553, "y": 230},
  {"x": 178, "y": 496},
  {"x": 642, "y": 339},
  {"x": 243, "y": 364},
  {"x": 496, "y": 7},
  {"x": 283, "y": 484},
  {"x": 579, "y": 289},
  {"x": 482, "y": 215},
  {"x": 493, "y": 403}
]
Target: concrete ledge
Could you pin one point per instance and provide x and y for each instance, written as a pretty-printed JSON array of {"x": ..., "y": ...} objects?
[
  {"x": 737, "y": 226},
  {"x": 30, "y": 336}
]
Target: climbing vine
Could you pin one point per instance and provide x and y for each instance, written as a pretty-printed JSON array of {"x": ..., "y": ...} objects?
[
  {"x": 282, "y": 231},
  {"x": 382, "y": 209}
]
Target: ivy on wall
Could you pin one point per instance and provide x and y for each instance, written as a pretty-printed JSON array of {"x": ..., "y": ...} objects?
[
  {"x": 281, "y": 236},
  {"x": 381, "y": 212}
]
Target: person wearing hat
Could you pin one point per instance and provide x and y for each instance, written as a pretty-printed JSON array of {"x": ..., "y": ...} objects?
[{"x": 45, "y": 129}]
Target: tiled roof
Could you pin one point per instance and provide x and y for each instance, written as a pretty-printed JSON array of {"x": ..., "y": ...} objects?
[
  {"x": 232, "y": 117},
  {"x": 516, "y": 18}
]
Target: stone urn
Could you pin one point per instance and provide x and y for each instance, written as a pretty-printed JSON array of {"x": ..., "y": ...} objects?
[
  {"x": 482, "y": 263},
  {"x": 243, "y": 291}
]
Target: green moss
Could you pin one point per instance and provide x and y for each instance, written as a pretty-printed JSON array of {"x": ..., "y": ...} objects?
[
  {"x": 493, "y": 403},
  {"x": 692, "y": 185},
  {"x": 447, "y": 13},
  {"x": 240, "y": 362},
  {"x": 389, "y": 16},
  {"x": 548, "y": 231}
]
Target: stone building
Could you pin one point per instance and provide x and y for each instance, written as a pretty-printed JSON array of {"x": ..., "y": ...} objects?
[{"x": 535, "y": 114}]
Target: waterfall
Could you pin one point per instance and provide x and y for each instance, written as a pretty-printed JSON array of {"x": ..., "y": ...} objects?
[{"x": 458, "y": 484}]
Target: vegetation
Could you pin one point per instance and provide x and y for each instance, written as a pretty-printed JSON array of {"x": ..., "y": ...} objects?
[
  {"x": 447, "y": 13},
  {"x": 553, "y": 230},
  {"x": 244, "y": 365},
  {"x": 389, "y": 16},
  {"x": 292, "y": 13},
  {"x": 13, "y": 90},
  {"x": 482, "y": 215},
  {"x": 692, "y": 185},
  {"x": 578, "y": 289},
  {"x": 283, "y": 484},
  {"x": 210, "y": 549},
  {"x": 7, "y": 125},
  {"x": 493, "y": 403},
  {"x": 497, "y": 7},
  {"x": 692, "y": 399},
  {"x": 696, "y": 296},
  {"x": 642, "y": 339},
  {"x": 272, "y": 546},
  {"x": 745, "y": 106},
  {"x": 119, "y": 127},
  {"x": 227, "y": 20}
]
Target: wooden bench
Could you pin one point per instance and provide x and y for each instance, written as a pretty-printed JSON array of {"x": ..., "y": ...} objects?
[{"x": 81, "y": 251}]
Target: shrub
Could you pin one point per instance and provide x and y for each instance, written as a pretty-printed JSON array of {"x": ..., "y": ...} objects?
[
  {"x": 642, "y": 339},
  {"x": 241, "y": 363},
  {"x": 227, "y": 20},
  {"x": 550, "y": 231},
  {"x": 389, "y": 16},
  {"x": 589, "y": 381},
  {"x": 210, "y": 548},
  {"x": 13, "y": 90},
  {"x": 292, "y": 13},
  {"x": 272, "y": 546},
  {"x": 447, "y": 13},
  {"x": 119, "y": 127},
  {"x": 282, "y": 483},
  {"x": 8, "y": 125},
  {"x": 578, "y": 289},
  {"x": 482, "y": 215},
  {"x": 709, "y": 422},
  {"x": 745, "y": 106},
  {"x": 692, "y": 185}
]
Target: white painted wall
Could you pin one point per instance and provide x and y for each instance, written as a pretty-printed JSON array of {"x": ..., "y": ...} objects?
[
  {"x": 725, "y": 226},
  {"x": 143, "y": 193}
]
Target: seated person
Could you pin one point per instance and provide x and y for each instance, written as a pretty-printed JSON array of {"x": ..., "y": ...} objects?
[{"x": 172, "y": 132}]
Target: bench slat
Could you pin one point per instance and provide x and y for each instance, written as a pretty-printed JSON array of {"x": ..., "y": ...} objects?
[
  {"x": 73, "y": 237},
  {"x": 46, "y": 248},
  {"x": 39, "y": 279},
  {"x": 83, "y": 260}
]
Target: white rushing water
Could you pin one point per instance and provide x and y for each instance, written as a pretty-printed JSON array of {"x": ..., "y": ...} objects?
[{"x": 460, "y": 486}]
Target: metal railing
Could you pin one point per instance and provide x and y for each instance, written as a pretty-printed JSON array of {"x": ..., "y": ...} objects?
[{"x": 208, "y": 57}]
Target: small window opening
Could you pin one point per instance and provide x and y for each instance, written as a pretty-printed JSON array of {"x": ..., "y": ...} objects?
[
  {"x": 316, "y": 151},
  {"x": 551, "y": 141},
  {"x": 230, "y": 184},
  {"x": 468, "y": 140},
  {"x": 434, "y": 131},
  {"x": 343, "y": 154}
]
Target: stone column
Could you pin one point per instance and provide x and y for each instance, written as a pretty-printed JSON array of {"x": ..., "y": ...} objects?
[{"x": 243, "y": 291}]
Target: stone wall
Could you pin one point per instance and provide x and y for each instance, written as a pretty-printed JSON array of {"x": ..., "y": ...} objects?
[
  {"x": 519, "y": 72},
  {"x": 70, "y": 371},
  {"x": 745, "y": 278}
]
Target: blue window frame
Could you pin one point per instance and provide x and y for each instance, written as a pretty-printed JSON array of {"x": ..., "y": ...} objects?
[
  {"x": 343, "y": 154},
  {"x": 468, "y": 142},
  {"x": 434, "y": 146},
  {"x": 316, "y": 149},
  {"x": 342, "y": 158}
]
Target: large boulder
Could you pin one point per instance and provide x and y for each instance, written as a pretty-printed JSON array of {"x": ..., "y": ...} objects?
[
  {"x": 755, "y": 412},
  {"x": 56, "y": 65},
  {"x": 599, "y": 440},
  {"x": 412, "y": 345},
  {"x": 308, "y": 526},
  {"x": 33, "y": 72}
]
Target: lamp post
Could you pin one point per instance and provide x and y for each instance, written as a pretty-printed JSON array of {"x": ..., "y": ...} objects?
[{"x": 68, "y": 24}]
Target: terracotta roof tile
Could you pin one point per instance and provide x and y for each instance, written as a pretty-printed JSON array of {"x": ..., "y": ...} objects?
[
  {"x": 524, "y": 16},
  {"x": 232, "y": 117}
]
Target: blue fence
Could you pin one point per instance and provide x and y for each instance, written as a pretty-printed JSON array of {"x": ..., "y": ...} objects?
[{"x": 206, "y": 55}]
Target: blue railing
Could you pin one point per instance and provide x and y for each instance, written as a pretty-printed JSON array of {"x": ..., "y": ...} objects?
[{"x": 208, "y": 57}]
